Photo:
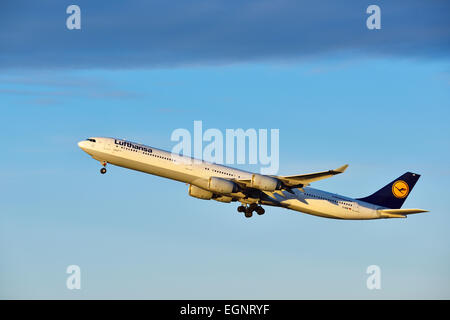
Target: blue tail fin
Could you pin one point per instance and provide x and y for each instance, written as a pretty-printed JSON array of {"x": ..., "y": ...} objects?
[{"x": 395, "y": 193}]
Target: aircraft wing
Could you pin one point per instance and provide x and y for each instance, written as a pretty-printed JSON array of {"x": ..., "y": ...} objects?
[
  {"x": 298, "y": 181},
  {"x": 306, "y": 179}
]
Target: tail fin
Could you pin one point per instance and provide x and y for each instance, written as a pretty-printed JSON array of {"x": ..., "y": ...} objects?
[{"x": 395, "y": 193}]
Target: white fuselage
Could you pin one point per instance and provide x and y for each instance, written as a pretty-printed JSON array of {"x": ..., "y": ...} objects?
[{"x": 196, "y": 172}]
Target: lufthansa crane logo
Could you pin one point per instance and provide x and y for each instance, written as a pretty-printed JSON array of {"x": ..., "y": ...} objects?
[{"x": 400, "y": 189}]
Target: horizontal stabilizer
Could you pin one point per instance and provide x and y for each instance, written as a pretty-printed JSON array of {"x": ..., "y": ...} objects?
[{"x": 402, "y": 211}]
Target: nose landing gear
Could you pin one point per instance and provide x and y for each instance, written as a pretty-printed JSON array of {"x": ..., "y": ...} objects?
[
  {"x": 103, "y": 170},
  {"x": 248, "y": 210}
]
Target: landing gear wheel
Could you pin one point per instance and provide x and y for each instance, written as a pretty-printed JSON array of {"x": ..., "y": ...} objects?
[
  {"x": 241, "y": 209},
  {"x": 260, "y": 210},
  {"x": 248, "y": 213},
  {"x": 103, "y": 170}
]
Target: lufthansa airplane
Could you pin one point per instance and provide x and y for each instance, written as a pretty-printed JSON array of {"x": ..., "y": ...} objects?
[{"x": 209, "y": 181}]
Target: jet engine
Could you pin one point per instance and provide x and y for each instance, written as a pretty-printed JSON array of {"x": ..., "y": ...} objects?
[
  {"x": 200, "y": 193},
  {"x": 265, "y": 183},
  {"x": 223, "y": 186}
]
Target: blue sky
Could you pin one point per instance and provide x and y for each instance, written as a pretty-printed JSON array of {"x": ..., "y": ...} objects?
[{"x": 383, "y": 108}]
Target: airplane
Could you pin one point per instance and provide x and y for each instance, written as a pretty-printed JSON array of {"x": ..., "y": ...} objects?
[{"x": 210, "y": 181}]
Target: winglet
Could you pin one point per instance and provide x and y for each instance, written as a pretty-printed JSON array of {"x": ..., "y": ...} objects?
[{"x": 341, "y": 169}]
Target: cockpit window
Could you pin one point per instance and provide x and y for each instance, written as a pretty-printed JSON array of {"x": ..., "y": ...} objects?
[{"x": 92, "y": 140}]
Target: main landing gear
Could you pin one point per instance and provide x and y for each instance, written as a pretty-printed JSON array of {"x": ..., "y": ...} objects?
[
  {"x": 103, "y": 170},
  {"x": 248, "y": 210}
]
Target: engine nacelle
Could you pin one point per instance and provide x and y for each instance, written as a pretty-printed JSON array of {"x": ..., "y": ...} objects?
[
  {"x": 265, "y": 183},
  {"x": 219, "y": 185},
  {"x": 200, "y": 193}
]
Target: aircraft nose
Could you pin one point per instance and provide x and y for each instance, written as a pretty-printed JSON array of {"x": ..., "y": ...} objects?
[{"x": 82, "y": 145}]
